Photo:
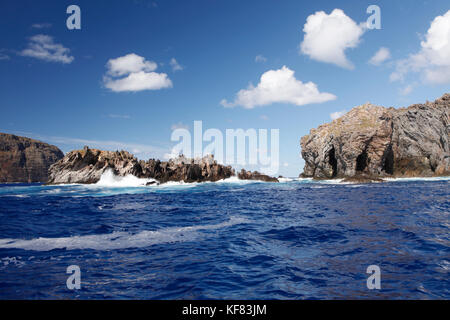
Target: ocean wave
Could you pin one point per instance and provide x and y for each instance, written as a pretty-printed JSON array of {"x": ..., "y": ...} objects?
[
  {"x": 284, "y": 180},
  {"x": 176, "y": 184},
  {"x": 16, "y": 195},
  {"x": 332, "y": 181},
  {"x": 235, "y": 180},
  {"x": 109, "y": 179},
  {"x": 118, "y": 240},
  {"x": 417, "y": 179},
  {"x": 12, "y": 260}
]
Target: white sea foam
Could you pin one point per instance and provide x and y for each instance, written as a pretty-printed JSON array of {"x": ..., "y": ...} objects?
[
  {"x": 236, "y": 180},
  {"x": 177, "y": 184},
  {"x": 16, "y": 195},
  {"x": 51, "y": 191},
  {"x": 109, "y": 179},
  {"x": 284, "y": 180},
  {"x": 118, "y": 240},
  {"x": 341, "y": 181},
  {"x": 332, "y": 181},
  {"x": 12, "y": 260},
  {"x": 418, "y": 179}
]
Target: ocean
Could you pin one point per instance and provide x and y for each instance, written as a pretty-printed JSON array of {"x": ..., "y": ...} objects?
[{"x": 232, "y": 239}]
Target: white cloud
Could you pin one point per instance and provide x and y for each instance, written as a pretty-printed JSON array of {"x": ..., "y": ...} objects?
[
  {"x": 41, "y": 25},
  {"x": 4, "y": 56},
  {"x": 260, "y": 58},
  {"x": 44, "y": 48},
  {"x": 179, "y": 125},
  {"x": 264, "y": 117},
  {"x": 175, "y": 65},
  {"x": 141, "y": 151},
  {"x": 128, "y": 64},
  {"x": 380, "y": 56},
  {"x": 279, "y": 86},
  {"x": 433, "y": 59},
  {"x": 137, "y": 75},
  {"x": 328, "y": 36},
  {"x": 139, "y": 81},
  {"x": 337, "y": 114},
  {"x": 406, "y": 90},
  {"x": 170, "y": 155}
]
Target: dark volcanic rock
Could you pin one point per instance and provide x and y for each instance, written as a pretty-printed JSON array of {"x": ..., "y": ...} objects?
[
  {"x": 87, "y": 166},
  {"x": 25, "y": 160},
  {"x": 377, "y": 142},
  {"x": 187, "y": 170},
  {"x": 255, "y": 175},
  {"x": 362, "y": 179}
]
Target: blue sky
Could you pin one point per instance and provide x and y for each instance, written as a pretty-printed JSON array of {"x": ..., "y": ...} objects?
[{"x": 64, "y": 95}]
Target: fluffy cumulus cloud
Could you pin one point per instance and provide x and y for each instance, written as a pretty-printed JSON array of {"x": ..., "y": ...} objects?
[
  {"x": 279, "y": 86},
  {"x": 337, "y": 114},
  {"x": 382, "y": 55},
  {"x": 44, "y": 48},
  {"x": 433, "y": 59},
  {"x": 328, "y": 36},
  {"x": 133, "y": 73},
  {"x": 129, "y": 63}
]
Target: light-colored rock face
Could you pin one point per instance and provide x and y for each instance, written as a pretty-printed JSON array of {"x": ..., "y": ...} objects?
[
  {"x": 380, "y": 141},
  {"x": 87, "y": 166},
  {"x": 421, "y": 139},
  {"x": 332, "y": 149},
  {"x": 25, "y": 160}
]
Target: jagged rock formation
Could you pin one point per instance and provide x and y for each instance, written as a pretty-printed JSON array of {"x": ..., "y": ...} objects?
[
  {"x": 373, "y": 141},
  {"x": 87, "y": 166},
  {"x": 255, "y": 175},
  {"x": 25, "y": 160}
]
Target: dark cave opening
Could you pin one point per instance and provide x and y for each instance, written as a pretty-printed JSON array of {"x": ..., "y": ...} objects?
[
  {"x": 388, "y": 164},
  {"x": 333, "y": 162},
  {"x": 361, "y": 161}
]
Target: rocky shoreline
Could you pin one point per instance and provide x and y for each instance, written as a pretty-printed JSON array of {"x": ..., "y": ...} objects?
[
  {"x": 371, "y": 142},
  {"x": 366, "y": 144},
  {"x": 87, "y": 166}
]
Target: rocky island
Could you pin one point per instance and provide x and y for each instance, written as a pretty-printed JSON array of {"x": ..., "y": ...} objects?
[
  {"x": 25, "y": 160},
  {"x": 368, "y": 143},
  {"x": 88, "y": 165},
  {"x": 371, "y": 142}
]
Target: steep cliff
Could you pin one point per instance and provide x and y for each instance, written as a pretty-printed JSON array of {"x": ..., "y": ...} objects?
[
  {"x": 25, "y": 160},
  {"x": 375, "y": 141}
]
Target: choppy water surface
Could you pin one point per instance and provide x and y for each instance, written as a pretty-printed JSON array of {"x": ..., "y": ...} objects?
[{"x": 228, "y": 240}]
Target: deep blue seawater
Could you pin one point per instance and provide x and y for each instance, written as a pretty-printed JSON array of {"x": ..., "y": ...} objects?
[{"x": 292, "y": 240}]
